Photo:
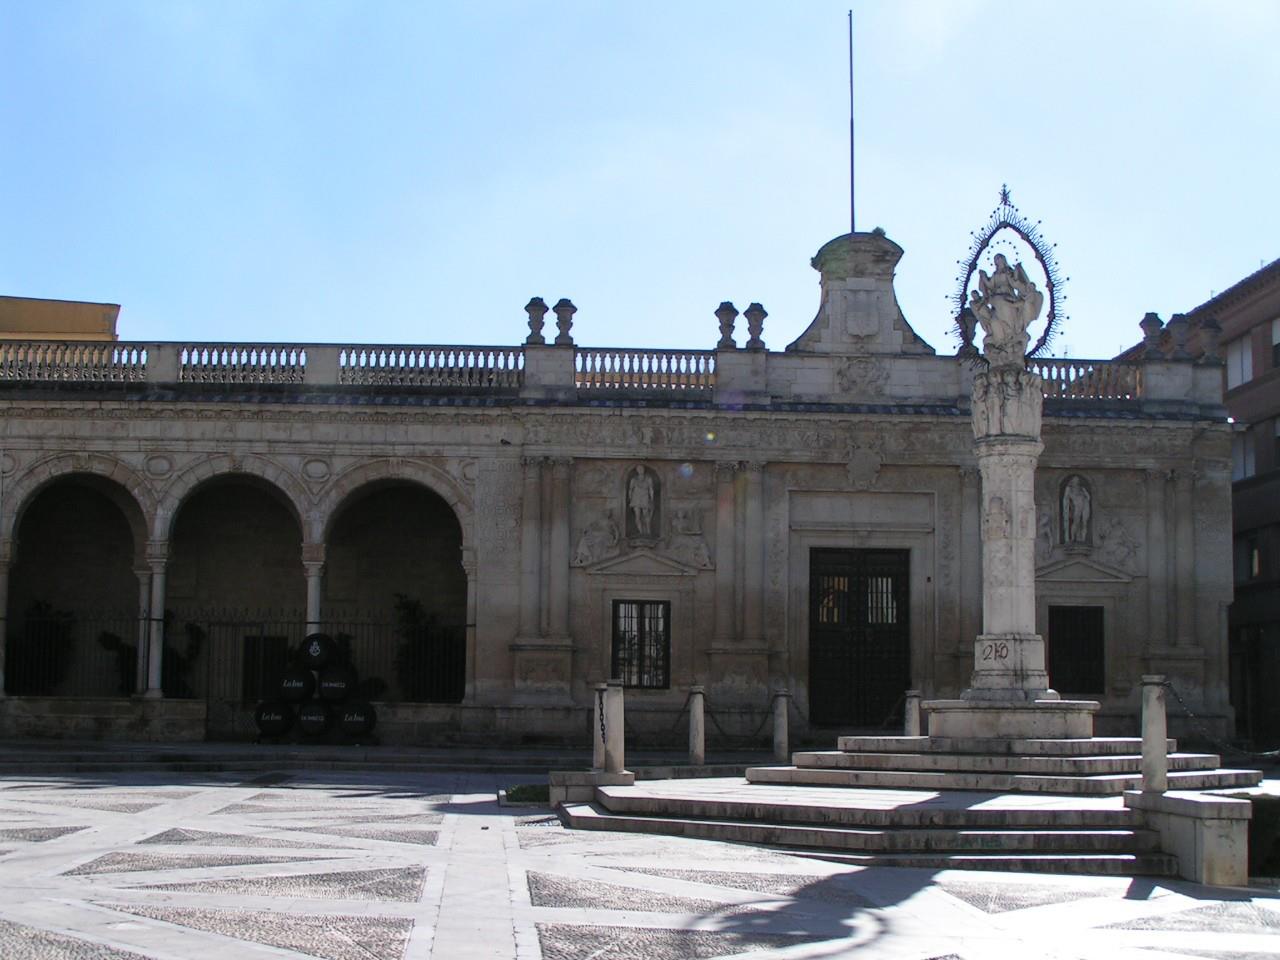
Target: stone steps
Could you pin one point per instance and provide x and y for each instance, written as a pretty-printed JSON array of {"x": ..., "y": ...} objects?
[
  {"x": 1075, "y": 766},
  {"x": 1095, "y": 785},
  {"x": 852, "y": 813},
  {"x": 1091, "y": 747},
  {"x": 1045, "y": 850}
]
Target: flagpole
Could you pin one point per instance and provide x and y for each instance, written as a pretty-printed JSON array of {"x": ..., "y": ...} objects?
[{"x": 852, "y": 221}]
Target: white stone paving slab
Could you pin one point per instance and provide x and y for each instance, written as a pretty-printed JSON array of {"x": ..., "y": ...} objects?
[{"x": 514, "y": 884}]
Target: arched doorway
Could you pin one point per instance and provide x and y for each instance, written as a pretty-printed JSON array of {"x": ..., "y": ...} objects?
[
  {"x": 73, "y": 607},
  {"x": 395, "y": 585},
  {"x": 235, "y": 599}
]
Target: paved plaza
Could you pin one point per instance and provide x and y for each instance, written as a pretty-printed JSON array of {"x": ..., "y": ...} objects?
[{"x": 378, "y": 866}]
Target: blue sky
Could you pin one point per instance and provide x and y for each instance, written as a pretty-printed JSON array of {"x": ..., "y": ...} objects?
[{"x": 413, "y": 172}]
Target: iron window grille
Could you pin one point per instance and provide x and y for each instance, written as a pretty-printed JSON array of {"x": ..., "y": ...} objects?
[{"x": 642, "y": 643}]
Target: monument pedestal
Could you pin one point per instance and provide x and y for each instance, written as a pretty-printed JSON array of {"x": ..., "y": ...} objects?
[{"x": 1012, "y": 720}]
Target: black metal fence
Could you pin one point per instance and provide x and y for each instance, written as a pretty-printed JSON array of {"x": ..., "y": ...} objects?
[{"x": 230, "y": 656}]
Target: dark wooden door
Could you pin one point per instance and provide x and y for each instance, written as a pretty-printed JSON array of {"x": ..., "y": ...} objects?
[{"x": 859, "y": 643}]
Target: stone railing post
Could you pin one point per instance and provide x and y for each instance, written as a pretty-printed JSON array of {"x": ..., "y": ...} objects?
[
  {"x": 781, "y": 740},
  {"x": 1155, "y": 735},
  {"x": 615, "y": 734},
  {"x": 163, "y": 361},
  {"x": 322, "y": 365},
  {"x": 697, "y": 726},
  {"x": 911, "y": 714},
  {"x": 598, "y": 731}
]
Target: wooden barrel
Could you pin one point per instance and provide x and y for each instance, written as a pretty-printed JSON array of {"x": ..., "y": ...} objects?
[
  {"x": 297, "y": 684},
  {"x": 318, "y": 651},
  {"x": 274, "y": 718},
  {"x": 337, "y": 683},
  {"x": 314, "y": 718},
  {"x": 357, "y": 719}
]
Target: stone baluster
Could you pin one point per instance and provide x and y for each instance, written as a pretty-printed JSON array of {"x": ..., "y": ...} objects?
[
  {"x": 1155, "y": 735},
  {"x": 536, "y": 308},
  {"x": 564, "y": 310},
  {"x": 531, "y": 549},
  {"x": 558, "y": 574},
  {"x": 726, "y": 313},
  {"x": 158, "y": 558},
  {"x": 755, "y": 315},
  {"x": 697, "y": 726}
]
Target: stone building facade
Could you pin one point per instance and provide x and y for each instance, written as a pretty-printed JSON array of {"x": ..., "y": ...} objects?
[{"x": 550, "y": 515}]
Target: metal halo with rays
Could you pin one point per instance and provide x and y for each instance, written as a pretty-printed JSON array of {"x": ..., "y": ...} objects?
[{"x": 1006, "y": 216}]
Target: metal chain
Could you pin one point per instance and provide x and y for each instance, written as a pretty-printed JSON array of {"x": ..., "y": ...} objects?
[
  {"x": 683, "y": 710},
  {"x": 600, "y": 710},
  {"x": 900, "y": 702},
  {"x": 1204, "y": 731}
]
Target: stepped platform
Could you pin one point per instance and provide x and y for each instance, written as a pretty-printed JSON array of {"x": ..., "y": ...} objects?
[
  {"x": 883, "y": 827},
  {"x": 1094, "y": 766}
]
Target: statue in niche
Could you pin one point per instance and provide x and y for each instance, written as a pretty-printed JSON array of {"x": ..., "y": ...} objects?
[
  {"x": 642, "y": 503},
  {"x": 1005, "y": 304},
  {"x": 598, "y": 540},
  {"x": 1077, "y": 511}
]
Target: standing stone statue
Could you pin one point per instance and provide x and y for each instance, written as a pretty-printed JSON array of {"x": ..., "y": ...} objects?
[
  {"x": 641, "y": 500},
  {"x": 1077, "y": 509},
  {"x": 1006, "y": 304}
]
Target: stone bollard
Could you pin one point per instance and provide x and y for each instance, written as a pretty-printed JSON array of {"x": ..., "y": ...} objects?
[
  {"x": 697, "y": 727},
  {"x": 911, "y": 714},
  {"x": 614, "y": 720},
  {"x": 1155, "y": 735},
  {"x": 597, "y": 728},
  {"x": 781, "y": 742}
]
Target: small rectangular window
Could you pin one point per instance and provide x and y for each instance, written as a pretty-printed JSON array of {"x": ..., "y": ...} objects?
[
  {"x": 1239, "y": 362},
  {"x": 1076, "y": 650},
  {"x": 1243, "y": 459},
  {"x": 642, "y": 643},
  {"x": 1275, "y": 342}
]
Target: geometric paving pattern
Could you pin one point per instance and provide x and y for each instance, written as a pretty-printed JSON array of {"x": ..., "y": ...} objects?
[{"x": 400, "y": 866}]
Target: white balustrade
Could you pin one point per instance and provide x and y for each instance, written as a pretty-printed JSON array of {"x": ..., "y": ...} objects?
[{"x": 608, "y": 368}]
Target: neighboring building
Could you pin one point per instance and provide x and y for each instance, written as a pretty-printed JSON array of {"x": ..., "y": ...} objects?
[
  {"x": 26, "y": 318},
  {"x": 1248, "y": 315},
  {"x": 495, "y": 530}
]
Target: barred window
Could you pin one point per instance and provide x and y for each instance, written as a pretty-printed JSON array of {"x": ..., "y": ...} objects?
[{"x": 642, "y": 643}]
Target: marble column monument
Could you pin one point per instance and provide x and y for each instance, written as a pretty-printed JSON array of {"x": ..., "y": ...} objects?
[{"x": 1009, "y": 694}]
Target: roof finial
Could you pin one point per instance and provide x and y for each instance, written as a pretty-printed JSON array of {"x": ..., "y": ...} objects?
[{"x": 1004, "y": 195}]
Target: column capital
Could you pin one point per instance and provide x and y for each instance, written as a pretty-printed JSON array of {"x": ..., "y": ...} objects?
[
  {"x": 532, "y": 461},
  {"x": 560, "y": 465},
  {"x": 753, "y": 467},
  {"x": 1155, "y": 475},
  {"x": 157, "y": 552},
  {"x": 8, "y": 547},
  {"x": 313, "y": 553},
  {"x": 726, "y": 470}
]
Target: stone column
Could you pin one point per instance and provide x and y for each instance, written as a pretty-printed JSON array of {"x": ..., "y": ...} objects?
[
  {"x": 970, "y": 548},
  {"x": 313, "y": 569},
  {"x": 1009, "y": 654},
  {"x": 726, "y": 512},
  {"x": 1157, "y": 580},
  {"x": 753, "y": 556},
  {"x": 158, "y": 558},
  {"x": 781, "y": 737},
  {"x": 615, "y": 758},
  {"x": 558, "y": 572},
  {"x": 531, "y": 549},
  {"x": 1184, "y": 556},
  {"x": 144, "y": 629}
]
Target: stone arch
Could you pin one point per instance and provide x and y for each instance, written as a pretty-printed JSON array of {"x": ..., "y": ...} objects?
[
  {"x": 125, "y": 486},
  {"x": 225, "y": 465},
  {"x": 433, "y": 478}
]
